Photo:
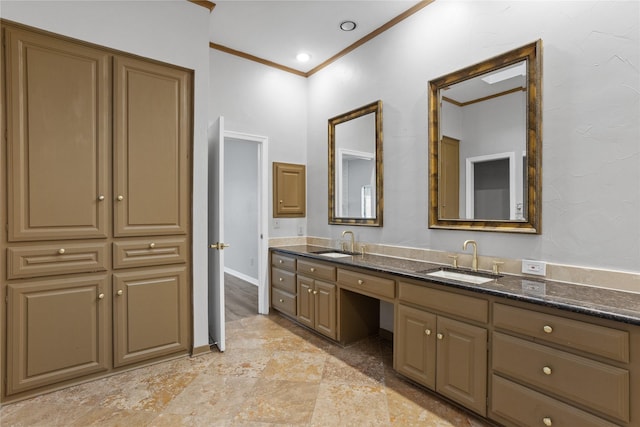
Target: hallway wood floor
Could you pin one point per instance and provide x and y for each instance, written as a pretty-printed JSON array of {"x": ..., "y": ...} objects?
[{"x": 273, "y": 373}]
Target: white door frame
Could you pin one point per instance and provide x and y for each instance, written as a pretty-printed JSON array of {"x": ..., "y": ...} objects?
[
  {"x": 263, "y": 214},
  {"x": 470, "y": 164}
]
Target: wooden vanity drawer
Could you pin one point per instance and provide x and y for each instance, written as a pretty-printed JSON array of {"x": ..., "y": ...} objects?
[
  {"x": 316, "y": 270},
  {"x": 366, "y": 282},
  {"x": 62, "y": 258},
  {"x": 285, "y": 280},
  {"x": 283, "y": 261},
  {"x": 525, "y": 407},
  {"x": 147, "y": 252},
  {"x": 594, "y": 385},
  {"x": 283, "y": 301},
  {"x": 449, "y": 302},
  {"x": 594, "y": 339}
]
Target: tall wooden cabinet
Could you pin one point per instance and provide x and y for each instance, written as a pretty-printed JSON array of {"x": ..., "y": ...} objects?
[{"x": 98, "y": 211}]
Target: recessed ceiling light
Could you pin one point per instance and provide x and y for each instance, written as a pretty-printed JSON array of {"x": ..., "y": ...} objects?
[
  {"x": 303, "y": 57},
  {"x": 348, "y": 25}
]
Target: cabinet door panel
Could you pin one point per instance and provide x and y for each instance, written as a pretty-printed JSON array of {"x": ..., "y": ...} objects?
[
  {"x": 152, "y": 142},
  {"x": 415, "y": 346},
  {"x": 325, "y": 309},
  {"x": 462, "y": 363},
  {"x": 305, "y": 303},
  {"x": 151, "y": 314},
  {"x": 57, "y": 330},
  {"x": 59, "y": 126}
]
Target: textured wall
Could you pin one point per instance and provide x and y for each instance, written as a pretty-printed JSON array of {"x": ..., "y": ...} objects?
[{"x": 591, "y": 123}]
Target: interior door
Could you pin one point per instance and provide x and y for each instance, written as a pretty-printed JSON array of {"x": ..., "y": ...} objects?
[{"x": 216, "y": 234}]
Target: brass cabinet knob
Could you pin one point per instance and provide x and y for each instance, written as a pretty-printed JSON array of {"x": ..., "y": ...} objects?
[
  {"x": 101, "y": 197},
  {"x": 280, "y": 261},
  {"x": 546, "y": 370},
  {"x": 315, "y": 292},
  {"x": 119, "y": 292},
  {"x": 309, "y": 290},
  {"x": 280, "y": 279},
  {"x": 312, "y": 269},
  {"x": 427, "y": 331},
  {"x": 360, "y": 282},
  {"x": 281, "y": 300},
  {"x": 61, "y": 251},
  {"x": 100, "y": 296},
  {"x": 547, "y": 421},
  {"x": 152, "y": 245},
  {"x": 548, "y": 329},
  {"x": 281, "y": 201},
  {"x": 440, "y": 336},
  {"x": 120, "y": 198}
]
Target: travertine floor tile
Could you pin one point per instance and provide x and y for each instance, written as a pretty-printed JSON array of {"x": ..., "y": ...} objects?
[{"x": 350, "y": 405}]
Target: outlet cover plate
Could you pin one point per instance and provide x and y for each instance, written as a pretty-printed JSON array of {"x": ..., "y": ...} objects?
[{"x": 538, "y": 268}]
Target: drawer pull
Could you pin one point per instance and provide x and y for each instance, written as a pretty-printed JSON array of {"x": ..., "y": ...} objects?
[
  {"x": 360, "y": 282},
  {"x": 546, "y": 370},
  {"x": 61, "y": 251},
  {"x": 152, "y": 245},
  {"x": 281, "y": 300},
  {"x": 548, "y": 329},
  {"x": 312, "y": 269},
  {"x": 119, "y": 292},
  {"x": 547, "y": 421},
  {"x": 280, "y": 261},
  {"x": 427, "y": 331},
  {"x": 440, "y": 336},
  {"x": 280, "y": 279}
]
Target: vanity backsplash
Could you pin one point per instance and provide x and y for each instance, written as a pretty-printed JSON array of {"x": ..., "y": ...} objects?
[{"x": 601, "y": 278}]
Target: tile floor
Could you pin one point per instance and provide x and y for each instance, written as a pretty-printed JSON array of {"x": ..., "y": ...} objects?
[{"x": 273, "y": 373}]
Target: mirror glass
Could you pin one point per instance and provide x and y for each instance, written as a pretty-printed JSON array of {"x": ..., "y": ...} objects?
[
  {"x": 355, "y": 166},
  {"x": 484, "y": 145}
]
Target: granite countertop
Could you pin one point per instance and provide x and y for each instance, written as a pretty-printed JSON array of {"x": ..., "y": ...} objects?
[{"x": 605, "y": 303}]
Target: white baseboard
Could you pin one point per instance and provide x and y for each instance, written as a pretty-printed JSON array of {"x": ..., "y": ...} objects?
[{"x": 241, "y": 276}]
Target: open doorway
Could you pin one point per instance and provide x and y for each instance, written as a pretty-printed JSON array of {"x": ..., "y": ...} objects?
[{"x": 245, "y": 225}]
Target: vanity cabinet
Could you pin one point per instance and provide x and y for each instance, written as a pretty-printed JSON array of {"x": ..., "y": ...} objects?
[
  {"x": 441, "y": 353},
  {"x": 98, "y": 190},
  {"x": 317, "y": 297},
  {"x": 573, "y": 370}
]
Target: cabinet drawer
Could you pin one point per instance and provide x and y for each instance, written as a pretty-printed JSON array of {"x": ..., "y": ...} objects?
[
  {"x": 284, "y": 262},
  {"x": 316, "y": 270},
  {"x": 601, "y": 387},
  {"x": 525, "y": 407},
  {"x": 372, "y": 284},
  {"x": 48, "y": 260},
  {"x": 459, "y": 305},
  {"x": 594, "y": 339},
  {"x": 285, "y": 280},
  {"x": 148, "y": 252},
  {"x": 283, "y": 301}
]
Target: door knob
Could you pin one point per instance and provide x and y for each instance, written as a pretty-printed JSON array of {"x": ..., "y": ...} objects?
[{"x": 218, "y": 245}]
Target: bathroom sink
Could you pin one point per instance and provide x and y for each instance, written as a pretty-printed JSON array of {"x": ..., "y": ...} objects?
[
  {"x": 334, "y": 254},
  {"x": 461, "y": 275}
]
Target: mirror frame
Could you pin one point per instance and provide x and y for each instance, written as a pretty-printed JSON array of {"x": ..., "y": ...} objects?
[
  {"x": 532, "y": 224},
  {"x": 376, "y": 108}
]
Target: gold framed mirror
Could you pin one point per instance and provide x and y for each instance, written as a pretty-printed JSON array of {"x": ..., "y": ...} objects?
[
  {"x": 485, "y": 158},
  {"x": 355, "y": 167}
]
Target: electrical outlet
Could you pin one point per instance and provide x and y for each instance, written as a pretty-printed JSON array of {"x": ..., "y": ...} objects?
[
  {"x": 300, "y": 230},
  {"x": 538, "y": 268},
  {"x": 276, "y": 223}
]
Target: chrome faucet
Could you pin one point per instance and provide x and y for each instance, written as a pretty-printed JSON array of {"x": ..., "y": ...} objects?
[
  {"x": 352, "y": 238},
  {"x": 474, "y": 262}
]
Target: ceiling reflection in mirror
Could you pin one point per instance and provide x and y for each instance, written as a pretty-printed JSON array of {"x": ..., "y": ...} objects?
[
  {"x": 355, "y": 166},
  {"x": 484, "y": 145}
]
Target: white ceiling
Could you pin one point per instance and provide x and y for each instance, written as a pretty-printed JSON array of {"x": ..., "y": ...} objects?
[{"x": 278, "y": 30}]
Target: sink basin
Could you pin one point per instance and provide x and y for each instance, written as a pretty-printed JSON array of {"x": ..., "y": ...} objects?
[
  {"x": 335, "y": 254},
  {"x": 462, "y": 276}
]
